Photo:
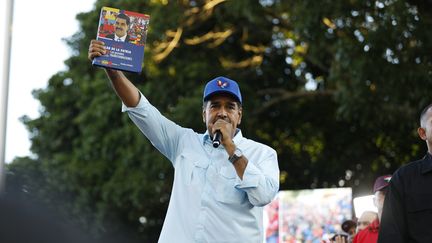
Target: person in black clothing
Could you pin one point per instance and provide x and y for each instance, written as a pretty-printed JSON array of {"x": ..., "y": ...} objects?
[{"x": 408, "y": 205}]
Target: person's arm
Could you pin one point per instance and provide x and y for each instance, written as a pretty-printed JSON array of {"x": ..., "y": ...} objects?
[
  {"x": 393, "y": 226},
  {"x": 226, "y": 130},
  {"x": 241, "y": 163},
  {"x": 123, "y": 87},
  {"x": 163, "y": 133},
  {"x": 260, "y": 178}
]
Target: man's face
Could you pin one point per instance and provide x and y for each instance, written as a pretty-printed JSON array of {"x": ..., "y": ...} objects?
[
  {"x": 121, "y": 27},
  {"x": 425, "y": 131},
  {"x": 365, "y": 219},
  {"x": 379, "y": 200},
  {"x": 222, "y": 106}
]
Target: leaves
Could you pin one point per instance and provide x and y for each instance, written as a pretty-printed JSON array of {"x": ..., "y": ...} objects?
[{"x": 334, "y": 87}]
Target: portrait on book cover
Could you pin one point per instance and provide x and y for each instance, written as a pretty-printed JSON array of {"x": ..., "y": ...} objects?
[{"x": 123, "y": 26}]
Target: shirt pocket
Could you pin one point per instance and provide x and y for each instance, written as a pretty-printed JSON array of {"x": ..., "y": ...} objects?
[
  {"x": 419, "y": 208},
  {"x": 225, "y": 187},
  {"x": 419, "y": 203},
  {"x": 191, "y": 168}
]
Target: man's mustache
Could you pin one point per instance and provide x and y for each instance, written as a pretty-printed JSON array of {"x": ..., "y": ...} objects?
[
  {"x": 118, "y": 28},
  {"x": 224, "y": 119}
]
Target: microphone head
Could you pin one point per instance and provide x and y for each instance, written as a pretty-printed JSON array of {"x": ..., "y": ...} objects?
[
  {"x": 217, "y": 139},
  {"x": 216, "y": 143}
]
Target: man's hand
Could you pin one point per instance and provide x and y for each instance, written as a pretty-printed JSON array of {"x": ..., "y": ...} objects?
[
  {"x": 340, "y": 239},
  {"x": 226, "y": 129},
  {"x": 96, "y": 49},
  {"x": 124, "y": 88}
]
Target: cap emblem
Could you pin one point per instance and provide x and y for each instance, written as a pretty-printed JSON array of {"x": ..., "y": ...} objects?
[{"x": 222, "y": 84}]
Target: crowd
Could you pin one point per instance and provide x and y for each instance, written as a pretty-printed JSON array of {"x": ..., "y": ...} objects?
[{"x": 403, "y": 201}]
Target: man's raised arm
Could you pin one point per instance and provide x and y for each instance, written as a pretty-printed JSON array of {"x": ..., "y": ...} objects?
[{"x": 123, "y": 87}]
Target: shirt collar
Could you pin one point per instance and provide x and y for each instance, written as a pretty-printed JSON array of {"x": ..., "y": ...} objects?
[
  {"x": 121, "y": 38},
  {"x": 426, "y": 165},
  {"x": 237, "y": 137}
]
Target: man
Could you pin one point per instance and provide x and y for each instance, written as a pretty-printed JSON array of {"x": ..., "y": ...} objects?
[
  {"x": 366, "y": 218},
  {"x": 370, "y": 233},
  {"x": 218, "y": 193},
  {"x": 121, "y": 28},
  {"x": 408, "y": 207}
]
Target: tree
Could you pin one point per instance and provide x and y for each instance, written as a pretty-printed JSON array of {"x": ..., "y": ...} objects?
[{"x": 334, "y": 87}]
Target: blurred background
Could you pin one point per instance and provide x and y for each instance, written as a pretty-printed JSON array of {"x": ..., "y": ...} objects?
[{"x": 336, "y": 87}]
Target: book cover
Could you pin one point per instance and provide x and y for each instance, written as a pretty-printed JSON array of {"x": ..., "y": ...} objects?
[{"x": 124, "y": 34}]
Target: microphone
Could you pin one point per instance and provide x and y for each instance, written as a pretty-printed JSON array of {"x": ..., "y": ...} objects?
[{"x": 217, "y": 139}]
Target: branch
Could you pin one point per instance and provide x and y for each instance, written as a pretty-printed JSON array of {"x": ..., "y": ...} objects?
[
  {"x": 253, "y": 61},
  {"x": 286, "y": 95},
  {"x": 217, "y": 37},
  {"x": 163, "y": 49},
  {"x": 172, "y": 44}
]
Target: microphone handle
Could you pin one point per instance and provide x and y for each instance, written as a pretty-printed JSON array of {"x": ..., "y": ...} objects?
[{"x": 217, "y": 139}]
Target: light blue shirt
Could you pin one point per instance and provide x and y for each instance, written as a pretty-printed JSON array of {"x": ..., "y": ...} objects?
[{"x": 209, "y": 202}]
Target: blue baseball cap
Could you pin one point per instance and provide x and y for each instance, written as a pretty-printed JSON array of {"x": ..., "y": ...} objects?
[{"x": 222, "y": 85}]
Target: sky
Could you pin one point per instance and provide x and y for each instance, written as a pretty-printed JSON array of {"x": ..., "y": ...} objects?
[{"x": 38, "y": 52}]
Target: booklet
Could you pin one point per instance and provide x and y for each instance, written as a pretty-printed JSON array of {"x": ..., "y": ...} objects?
[{"x": 124, "y": 33}]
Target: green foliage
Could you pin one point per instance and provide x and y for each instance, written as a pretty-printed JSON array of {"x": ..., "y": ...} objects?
[{"x": 335, "y": 87}]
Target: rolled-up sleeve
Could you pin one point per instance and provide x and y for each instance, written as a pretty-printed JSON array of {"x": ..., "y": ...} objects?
[
  {"x": 261, "y": 179},
  {"x": 162, "y": 132}
]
